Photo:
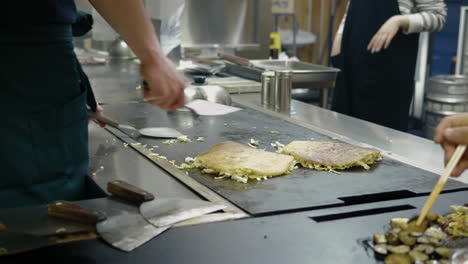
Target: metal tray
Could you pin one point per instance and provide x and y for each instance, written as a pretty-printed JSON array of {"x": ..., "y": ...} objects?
[{"x": 305, "y": 75}]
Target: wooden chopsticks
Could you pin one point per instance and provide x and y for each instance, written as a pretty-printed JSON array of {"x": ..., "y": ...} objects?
[{"x": 442, "y": 180}]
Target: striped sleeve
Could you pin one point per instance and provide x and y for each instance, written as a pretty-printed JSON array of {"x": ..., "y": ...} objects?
[{"x": 427, "y": 15}]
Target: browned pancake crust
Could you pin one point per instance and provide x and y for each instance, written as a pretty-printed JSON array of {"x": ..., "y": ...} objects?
[
  {"x": 230, "y": 158},
  {"x": 330, "y": 155}
]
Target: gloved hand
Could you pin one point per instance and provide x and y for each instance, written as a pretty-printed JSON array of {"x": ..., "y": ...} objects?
[
  {"x": 451, "y": 132},
  {"x": 387, "y": 32},
  {"x": 165, "y": 85}
]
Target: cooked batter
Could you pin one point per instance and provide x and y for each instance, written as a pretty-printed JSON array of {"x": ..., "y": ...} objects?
[
  {"x": 240, "y": 162},
  {"x": 331, "y": 155}
]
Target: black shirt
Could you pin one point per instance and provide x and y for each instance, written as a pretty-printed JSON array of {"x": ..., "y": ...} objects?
[{"x": 22, "y": 12}]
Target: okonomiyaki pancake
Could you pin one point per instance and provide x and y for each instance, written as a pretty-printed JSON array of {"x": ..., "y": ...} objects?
[
  {"x": 331, "y": 155},
  {"x": 241, "y": 162}
]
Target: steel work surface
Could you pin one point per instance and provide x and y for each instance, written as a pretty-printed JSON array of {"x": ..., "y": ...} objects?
[
  {"x": 302, "y": 189},
  {"x": 291, "y": 238},
  {"x": 110, "y": 160}
]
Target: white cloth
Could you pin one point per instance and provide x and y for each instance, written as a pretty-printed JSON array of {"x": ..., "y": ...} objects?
[
  {"x": 423, "y": 15},
  {"x": 162, "y": 9}
]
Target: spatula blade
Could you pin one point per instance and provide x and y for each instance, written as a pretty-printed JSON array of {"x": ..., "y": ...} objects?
[
  {"x": 129, "y": 131},
  {"x": 168, "y": 211},
  {"x": 160, "y": 132},
  {"x": 127, "y": 231}
]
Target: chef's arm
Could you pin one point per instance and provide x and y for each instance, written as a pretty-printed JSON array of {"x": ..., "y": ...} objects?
[{"x": 165, "y": 86}]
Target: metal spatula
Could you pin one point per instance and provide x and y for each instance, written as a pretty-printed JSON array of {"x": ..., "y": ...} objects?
[
  {"x": 162, "y": 212},
  {"x": 157, "y": 132},
  {"x": 125, "y": 230}
]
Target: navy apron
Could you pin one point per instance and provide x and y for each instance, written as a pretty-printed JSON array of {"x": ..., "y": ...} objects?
[
  {"x": 375, "y": 87},
  {"x": 44, "y": 136}
]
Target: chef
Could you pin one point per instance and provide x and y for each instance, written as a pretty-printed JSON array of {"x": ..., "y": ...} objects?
[
  {"x": 451, "y": 132},
  {"x": 376, "y": 48},
  {"x": 43, "y": 93}
]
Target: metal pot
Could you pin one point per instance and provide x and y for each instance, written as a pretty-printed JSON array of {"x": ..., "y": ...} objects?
[
  {"x": 192, "y": 93},
  {"x": 216, "y": 94},
  {"x": 212, "y": 93},
  {"x": 120, "y": 50}
]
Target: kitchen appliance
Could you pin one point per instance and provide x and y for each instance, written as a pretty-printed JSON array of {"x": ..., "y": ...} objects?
[
  {"x": 303, "y": 189},
  {"x": 213, "y": 25}
]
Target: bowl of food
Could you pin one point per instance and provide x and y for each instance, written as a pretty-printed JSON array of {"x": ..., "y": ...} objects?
[{"x": 436, "y": 240}]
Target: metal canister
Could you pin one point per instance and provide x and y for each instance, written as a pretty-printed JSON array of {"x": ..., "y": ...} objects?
[
  {"x": 283, "y": 86},
  {"x": 446, "y": 95},
  {"x": 268, "y": 88}
]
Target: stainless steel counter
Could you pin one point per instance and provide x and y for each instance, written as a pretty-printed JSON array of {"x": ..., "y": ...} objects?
[
  {"x": 324, "y": 235},
  {"x": 111, "y": 160}
]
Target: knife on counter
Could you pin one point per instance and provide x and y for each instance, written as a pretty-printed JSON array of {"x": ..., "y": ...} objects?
[{"x": 241, "y": 61}]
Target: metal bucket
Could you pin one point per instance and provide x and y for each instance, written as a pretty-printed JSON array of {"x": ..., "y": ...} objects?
[{"x": 446, "y": 95}]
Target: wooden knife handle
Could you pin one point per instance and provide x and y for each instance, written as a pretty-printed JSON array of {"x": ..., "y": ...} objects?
[
  {"x": 75, "y": 212},
  {"x": 201, "y": 59},
  {"x": 104, "y": 119},
  {"x": 129, "y": 192},
  {"x": 2, "y": 226},
  {"x": 234, "y": 59}
]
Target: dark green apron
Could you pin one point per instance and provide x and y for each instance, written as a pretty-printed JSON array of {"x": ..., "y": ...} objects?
[{"x": 44, "y": 137}]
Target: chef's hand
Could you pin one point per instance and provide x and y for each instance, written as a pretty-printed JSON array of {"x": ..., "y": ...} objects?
[
  {"x": 451, "y": 132},
  {"x": 387, "y": 32},
  {"x": 99, "y": 111},
  {"x": 165, "y": 85},
  {"x": 336, "y": 48}
]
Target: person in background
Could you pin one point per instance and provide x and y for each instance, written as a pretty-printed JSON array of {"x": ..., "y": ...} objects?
[
  {"x": 451, "y": 132},
  {"x": 43, "y": 94},
  {"x": 376, "y": 49}
]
